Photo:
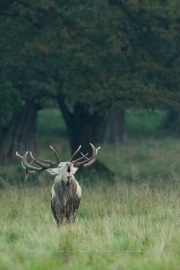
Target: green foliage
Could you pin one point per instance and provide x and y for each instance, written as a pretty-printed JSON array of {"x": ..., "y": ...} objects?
[
  {"x": 9, "y": 98},
  {"x": 89, "y": 56},
  {"x": 144, "y": 123},
  {"x": 51, "y": 130},
  {"x": 96, "y": 52}
]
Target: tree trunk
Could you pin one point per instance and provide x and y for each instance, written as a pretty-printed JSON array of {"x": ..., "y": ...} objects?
[
  {"x": 113, "y": 126},
  {"x": 20, "y": 135},
  {"x": 83, "y": 128},
  {"x": 172, "y": 120}
]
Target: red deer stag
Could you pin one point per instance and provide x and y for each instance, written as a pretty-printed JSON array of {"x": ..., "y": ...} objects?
[{"x": 66, "y": 191}]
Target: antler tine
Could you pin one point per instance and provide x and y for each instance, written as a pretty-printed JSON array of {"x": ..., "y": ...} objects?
[
  {"x": 29, "y": 168},
  {"x": 55, "y": 163},
  {"x": 75, "y": 153},
  {"x": 93, "y": 159},
  {"x": 87, "y": 161},
  {"x": 56, "y": 154},
  {"x": 83, "y": 156},
  {"x": 26, "y": 164},
  {"x": 23, "y": 161},
  {"x": 22, "y": 157},
  {"x": 44, "y": 166},
  {"x": 26, "y": 170}
]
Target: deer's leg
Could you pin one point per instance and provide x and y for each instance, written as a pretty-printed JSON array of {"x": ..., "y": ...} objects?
[
  {"x": 59, "y": 212},
  {"x": 54, "y": 209},
  {"x": 73, "y": 207},
  {"x": 62, "y": 215},
  {"x": 69, "y": 211}
]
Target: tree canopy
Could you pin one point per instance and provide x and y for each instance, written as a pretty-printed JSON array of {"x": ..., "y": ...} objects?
[{"x": 90, "y": 56}]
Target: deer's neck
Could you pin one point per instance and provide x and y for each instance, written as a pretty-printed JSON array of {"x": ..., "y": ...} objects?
[{"x": 63, "y": 177}]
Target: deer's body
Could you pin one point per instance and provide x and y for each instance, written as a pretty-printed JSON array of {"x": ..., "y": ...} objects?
[
  {"x": 66, "y": 191},
  {"x": 65, "y": 198}
]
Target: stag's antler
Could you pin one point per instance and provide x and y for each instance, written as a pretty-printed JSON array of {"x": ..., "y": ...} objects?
[
  {"x": 43, "y": 166},
  {"x": 87, "y": 161},
  {"x": 47, "y": 164}
]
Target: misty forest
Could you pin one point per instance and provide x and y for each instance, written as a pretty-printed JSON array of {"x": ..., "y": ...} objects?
[{"x": 91, "y": 73}]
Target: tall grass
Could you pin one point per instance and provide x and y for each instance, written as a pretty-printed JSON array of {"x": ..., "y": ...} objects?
[
  {"x": 127, "y": 226},
  {"x": 129, "y": 223}
]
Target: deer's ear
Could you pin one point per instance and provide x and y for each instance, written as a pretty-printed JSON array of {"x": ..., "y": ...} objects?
[
  {"x": 75, "y": 170},
  {"x": 53, "y": 171}
]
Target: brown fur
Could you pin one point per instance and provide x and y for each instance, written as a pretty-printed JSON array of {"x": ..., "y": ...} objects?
[{"x": 65, "y": 199}]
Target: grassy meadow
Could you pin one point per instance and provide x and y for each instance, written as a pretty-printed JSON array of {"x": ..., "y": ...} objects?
[{"x": 128, "y": 222}]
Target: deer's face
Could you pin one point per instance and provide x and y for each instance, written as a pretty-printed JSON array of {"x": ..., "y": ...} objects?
[
  {"x": 64, "y": 168},
  {"x": 67, "y": 168}
]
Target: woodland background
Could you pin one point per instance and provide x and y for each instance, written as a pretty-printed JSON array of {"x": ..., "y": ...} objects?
[{"x": 106, "y": 72}]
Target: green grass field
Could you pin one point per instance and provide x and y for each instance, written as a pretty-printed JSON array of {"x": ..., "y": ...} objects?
[{"x": 129, "y": 223}]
